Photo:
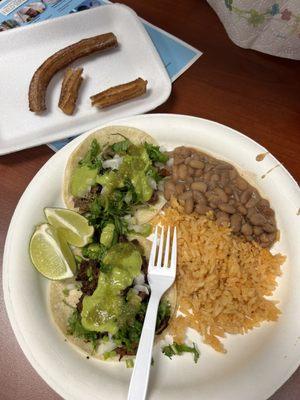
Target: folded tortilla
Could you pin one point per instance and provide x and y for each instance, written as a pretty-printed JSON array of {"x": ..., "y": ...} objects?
[
  {"x": 108, "y": 136},
  {"x": 62, "y": 307}
]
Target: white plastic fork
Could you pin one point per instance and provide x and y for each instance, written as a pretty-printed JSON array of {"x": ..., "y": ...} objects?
[{"x": 160, "y": 278}]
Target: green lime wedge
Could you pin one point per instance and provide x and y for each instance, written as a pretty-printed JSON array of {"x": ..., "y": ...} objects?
[
  {"x": 50, "y": 253},
  {"x": 73, "y": 226}
]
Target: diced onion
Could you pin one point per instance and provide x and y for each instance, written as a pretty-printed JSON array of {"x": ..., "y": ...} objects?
[
  {"x": 140, "y": 279},
  {"x": 71, "y": 286},
  {"x": 113, "y": 163},
  {"x": 170, "y": 162},
  {"x": 152, "y": 183},
  {"x": 105, "y": 347},
  {"x": 161, "y": 185}
]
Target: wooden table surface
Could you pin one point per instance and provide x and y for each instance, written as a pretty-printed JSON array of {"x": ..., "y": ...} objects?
[{"x": 249, "y": 91}]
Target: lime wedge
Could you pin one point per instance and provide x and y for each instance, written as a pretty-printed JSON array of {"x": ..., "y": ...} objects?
[
  {"x": 73, "y": 226},
  {"x": 50, "y": 253}
]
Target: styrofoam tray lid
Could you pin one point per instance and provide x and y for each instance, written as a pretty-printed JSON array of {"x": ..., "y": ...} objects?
[{"x": 24, "y": 49}]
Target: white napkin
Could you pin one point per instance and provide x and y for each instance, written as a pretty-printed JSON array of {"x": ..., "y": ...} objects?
[{"x": 269, "y": 26}]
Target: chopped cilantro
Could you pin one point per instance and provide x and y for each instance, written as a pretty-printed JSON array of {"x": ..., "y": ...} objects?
[
  {"x": 121, "y": 147},
  {"x": 92, "y": 158},
  {"x": 76, "y": 329},
  {"x": 179, "y": 349},
  {"x": 155, "y": 154},
  {"x": 66, "y": 292},
  {"x": 94, "y": 251}
]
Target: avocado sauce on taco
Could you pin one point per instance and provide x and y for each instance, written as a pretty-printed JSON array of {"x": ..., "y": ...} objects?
[{"x": 113, "y": 179}]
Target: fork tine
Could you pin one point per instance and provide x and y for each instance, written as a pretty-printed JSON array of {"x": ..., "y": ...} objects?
[
  {"x": 167, "y": 249},
  {"x": 174, "y": 250},
  {"x": 153, "y": 249},
  {"x": 161, "y": 246}
]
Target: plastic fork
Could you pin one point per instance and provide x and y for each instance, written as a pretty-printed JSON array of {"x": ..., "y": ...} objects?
[{"x": 160, "y": 278}]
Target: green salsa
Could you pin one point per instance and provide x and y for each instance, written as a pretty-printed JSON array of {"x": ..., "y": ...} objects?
[
  {"x": 133, "y": 169},
  {"x": 82, "y": 179},
  {"x": 106, "y": 309}
]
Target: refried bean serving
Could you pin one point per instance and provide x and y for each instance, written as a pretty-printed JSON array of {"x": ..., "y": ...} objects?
[{"x": 203, "y": 184}]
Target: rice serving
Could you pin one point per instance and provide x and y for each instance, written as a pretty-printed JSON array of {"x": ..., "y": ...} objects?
[{"x": 222, "y": 280}]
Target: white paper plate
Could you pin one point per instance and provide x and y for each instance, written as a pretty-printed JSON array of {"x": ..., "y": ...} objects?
[
  {"x": 256, "y": 364},
  {"x": 24, "y": 49}
]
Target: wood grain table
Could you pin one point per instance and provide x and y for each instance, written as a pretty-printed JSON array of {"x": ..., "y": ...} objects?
[{"x": 254, "y": 93}]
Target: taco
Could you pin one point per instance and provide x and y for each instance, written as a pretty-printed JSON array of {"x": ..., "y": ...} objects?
[
  {"x": 113, "y": 179},
  {"x": 111, "y": 145},
  {"x": 65, "y": 304}
]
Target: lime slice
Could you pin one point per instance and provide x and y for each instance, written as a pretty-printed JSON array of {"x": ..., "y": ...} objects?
[
  {"x": 73, "y": 226},
  {"x": 50, "y": 253}
]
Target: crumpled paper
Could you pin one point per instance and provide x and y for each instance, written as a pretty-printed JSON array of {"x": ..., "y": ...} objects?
[{"x": 269, "y": 26}]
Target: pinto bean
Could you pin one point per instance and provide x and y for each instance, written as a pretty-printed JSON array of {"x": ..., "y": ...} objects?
[
  {"x": 222, "y": 218},
  {"x": 197, "y": 164},
  {"x": 180, "y": 187},
  {"x": 257, "y": 219},
  {"x": 236, "y": 222},
  {"x": 227, "y": 190},
  {"x": 251, "y": 211},
  {"x": 232, "y": 174},
  {"x": 252, "y": 202},
  {"x": 202, "y": 209},
  {"x": 246, "y": 229},
  {"x": 182, "y": 151},
  {"x": 242, "y": 210},
  {"x": 200, "y": 186},
  {"x": 269, "y": 228},
  {"x": 175, "y": 173},
  {"x": 196, "y": 156},
  {"x": 191, "y": 171},
  {"x": 214, "y": 178},
  {"x": 199, "y": 197},
  {"x": 169, "y": 189},
  {"x": 223, "y": 166},
  {"x": 189, "y": 180},
  {"x": 185, "y": 195},
  {"x": 264, "y": 203},
  {"x": 257, "y": 230},
  {"x": 182, "y": 172},
  {"x": 236, "y": 195},
  {"x": 224, "y": 178},
  {"x": 207, "y": 176},
  {"x": 189, "y": 206},
  {"x": 208, "y": 167},
  {"x": 245, "y": 196},
  {"x": 178, "y": 159},
  {"x": 198, "y": 172},
  {"x": 241, "y": 183},
  {"x": 227, "y": 208},
  {"x": 187, "y": 160},
  {"x": 221, "y": 194},
  {"x": 272, "y": 237},
  {"x": 264, "y": 238}
]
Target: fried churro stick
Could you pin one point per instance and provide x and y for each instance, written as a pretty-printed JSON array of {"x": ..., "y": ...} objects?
[
  {"x": 69, "y": 90},
  {"x": 62, "y": 58},
  {"x": 117, "y": 94}
]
